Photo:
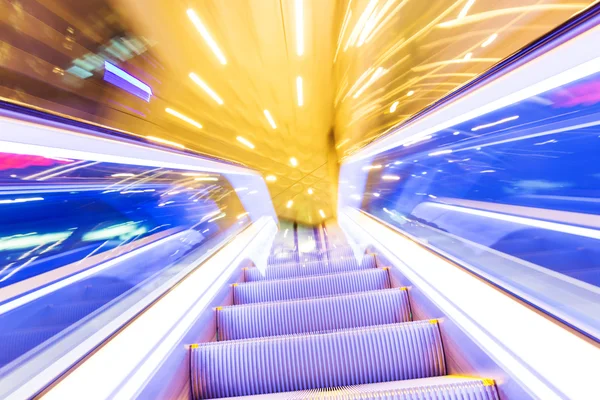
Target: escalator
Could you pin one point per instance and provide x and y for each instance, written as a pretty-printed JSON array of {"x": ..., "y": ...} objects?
[{"x": 329, "y": 328}]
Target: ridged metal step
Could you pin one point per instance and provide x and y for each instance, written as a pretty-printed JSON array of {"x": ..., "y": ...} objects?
[
  {"x": 313, "y": 286},
  {"x": 309, "y": 268},
  {"x": 290, "y": 256},
  {"x": 438, "y": 388},
  {"x": 313, "y": 315},
  {"x": 383, "y": 353}
]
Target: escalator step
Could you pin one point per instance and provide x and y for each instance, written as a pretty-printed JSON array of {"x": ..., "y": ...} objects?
[
  {"x": 309, "y": 268},
  {"x": 313, "y": 286},
  {"x": 313, "y": 315},
  {"x": 383, "y": 353},
  {"x": 340, "y": 251},
  {"x": 439, "y": 388},
  {"x": 283, "y": 257}
]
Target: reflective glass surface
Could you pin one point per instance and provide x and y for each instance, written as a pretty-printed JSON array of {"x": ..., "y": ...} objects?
[
  {"x": 512, "y": 194},
  {"x": 85, "y": 245},
  {"x": 58, "y": 211}
]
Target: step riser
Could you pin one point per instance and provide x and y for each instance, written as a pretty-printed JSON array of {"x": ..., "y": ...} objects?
[
  {"x": 368, "y": 355},
  {"x": 318, "y": 286},
  {"x": 307, "y": 269},
  {"x": 316, "y": 315}
]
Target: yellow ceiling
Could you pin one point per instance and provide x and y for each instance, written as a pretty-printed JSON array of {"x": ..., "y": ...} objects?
[
  {"x": 367, "y": 66},
  {"x": 258, "y": 41}
]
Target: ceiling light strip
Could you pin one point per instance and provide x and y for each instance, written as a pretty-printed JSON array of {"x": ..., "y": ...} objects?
[
  {"x": 270, "y": 119},
  {"x": 183, "y": 117},
  {"x": 245, "y": 142},
  {"x": 164, "y": 141},
  {"x": 299, "y": 91},
  {"x": 206, "y": 88},
  {"x": 206, "y": 36}
]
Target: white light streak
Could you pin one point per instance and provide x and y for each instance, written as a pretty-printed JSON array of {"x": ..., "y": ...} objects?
[
  {"x": 183, "y": 118},
  {"x": 465, "y": 9},
  {"x": 222, "y": 215},
  {"x": 379, "y": 72},
  {"x": 416, "y": 140},
  {"x": 245, "y": 142},
  {"x": 270, "y": 119},
  {"x": 502, "y": 121},
  {"x": 164, "y": 141},
  {"x": 489, "y": 40},
  {"x": 370, "y": 167},
  {"x": 206, "y": 88},
  {"x": 299, "y": 91},
  {"x": 206, "y": 36},
  {"x": 437, "y": 153},
  {"x": 21, "y": 200},
  {"x": 536, "y": 223}
]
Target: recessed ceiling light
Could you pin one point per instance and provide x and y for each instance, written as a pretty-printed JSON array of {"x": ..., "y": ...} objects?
[
  {"x": 322, "y": 213},
  {"x": 270, "y": 119},
  {"x": 299, "y": 91},
  {"x": 164, "y": 141},
  {"x": 394, "y": 106},
  {"x": 310, "y": 191},
  {"x": 293, "y": 161},
  {"x": 205, "y": 87},
  {"x": 410, "y": 93},
  {"x": 271, "y": 178},
  {"x": 183, "y": 118},
  {"x": 290, "y": 203},
  {"x": 206, "y": 36},
  {"x": 489, "y": 40},
  {"x": 245, "y": 142}
]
